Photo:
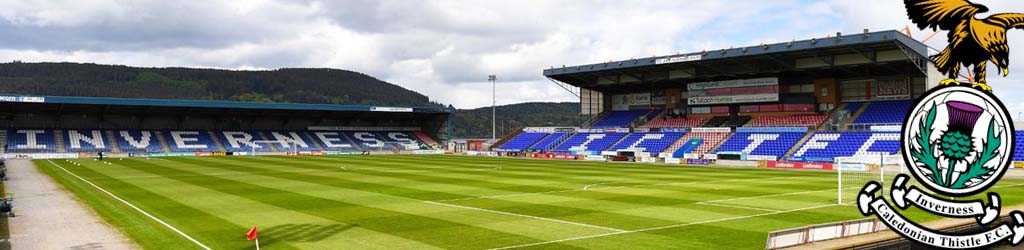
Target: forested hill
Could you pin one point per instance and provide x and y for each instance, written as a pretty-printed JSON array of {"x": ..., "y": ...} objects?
[
  {"x": 476, "y": 123},
  {"x": 321, "y": 86}
]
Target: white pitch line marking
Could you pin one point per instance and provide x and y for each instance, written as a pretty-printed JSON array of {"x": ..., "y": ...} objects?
[
  {"x": 611, "y": 187},
  {"x": 661, "y": 227},
  {"x": 737, "y": 206},
  {"x": 526, "y": 216},
  {"x": 158, "y": 220}
]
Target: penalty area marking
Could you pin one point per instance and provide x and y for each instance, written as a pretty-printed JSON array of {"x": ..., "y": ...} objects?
[
  {"x": 527, "y": 216},
  {"x": 158, "y": 220},
  {"x": 660, "y": 228}
]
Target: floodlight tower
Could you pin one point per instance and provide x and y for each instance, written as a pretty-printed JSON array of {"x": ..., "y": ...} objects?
[{"x": 494, "y": 119}]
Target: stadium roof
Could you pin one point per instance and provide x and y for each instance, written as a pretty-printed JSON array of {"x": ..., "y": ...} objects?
[
  {"x": 142, "y": 106},
  {"x": 901, "y": 54}
]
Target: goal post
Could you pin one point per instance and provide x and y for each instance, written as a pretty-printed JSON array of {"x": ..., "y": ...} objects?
[{"x": 854, "y": 171}]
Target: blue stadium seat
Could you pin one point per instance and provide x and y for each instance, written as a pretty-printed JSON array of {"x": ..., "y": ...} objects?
[
  {"x": 243, "y": 141},
  {"x": 884, "y": 112},
  {"x": 522, "y": 141},
  {"x": 761, "y": 143},
  {"x": 133, "y": 140},
  {"x": 30, "y": 141},
  {"x": 825, "y": 146},
  {"x": 619, "y": 119},
  {"x": 589, "y": 142},
  {"x": 402, "y": 140},
  {"x": 85, "y": 140},
  {"x": 290, "y": 139},
  {"x": 370, "y": 141},
  {"x": 548, "y": 142},
  {"x": 653, "y": 143},
  {"x": 184, "y": 141},
  {"x": 1018, "y": 148},
  {"x": 334, "y": 141}
]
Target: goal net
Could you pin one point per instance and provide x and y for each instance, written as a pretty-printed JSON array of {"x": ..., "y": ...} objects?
[{"x": 855, "y": 171}]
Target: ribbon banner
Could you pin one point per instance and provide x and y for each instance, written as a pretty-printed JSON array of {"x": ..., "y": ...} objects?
[
  {"x": 869, "y": 204},
  {"x": 903, "y": 197}
]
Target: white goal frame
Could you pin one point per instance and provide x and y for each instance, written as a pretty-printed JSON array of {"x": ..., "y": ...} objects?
[{"x": 869, "y": 163}]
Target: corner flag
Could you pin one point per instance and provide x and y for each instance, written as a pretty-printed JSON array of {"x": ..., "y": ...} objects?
[{"x": 253, "y": 235}]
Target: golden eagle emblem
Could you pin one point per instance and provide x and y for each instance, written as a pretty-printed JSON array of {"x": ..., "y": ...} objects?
[{"x": 972, "y": 41}]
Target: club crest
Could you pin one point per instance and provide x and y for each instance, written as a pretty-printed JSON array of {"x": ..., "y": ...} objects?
[
  {"x": 958, "y": 141},
  {"x": 958, "y": 138}
]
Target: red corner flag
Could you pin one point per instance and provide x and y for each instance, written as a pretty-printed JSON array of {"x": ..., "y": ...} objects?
[{"x": 252, "y": 234}]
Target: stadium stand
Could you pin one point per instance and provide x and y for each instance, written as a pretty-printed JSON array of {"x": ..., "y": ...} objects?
[
  {"x": 549, "y": 142},
  {"x": 183, "y": 141},
  {"x": 705, "y": 141},
  {"x": 789, "y": 121},
  {"x": 291, "y": 140},
  {"x": 134, "y": 140},
  {"x": 30, "y": 141},
  {"x": 884, "y": 112},
  {"x": 589, "y": 142},
  {"x": 678, "y": 122},
  {"x": 334, "y": 140},
  {"x": 522, "y": 142},
  {"x": 620, "y": 119},
  {"x": 761, "y": 143},
  {"x": 853, "y": 106},
  {"x": 85, "y": 140},
  {"x": 1018, "y": 148},
  {"x": 825, "y": 146},
  {"x": 653, "y": 143}
]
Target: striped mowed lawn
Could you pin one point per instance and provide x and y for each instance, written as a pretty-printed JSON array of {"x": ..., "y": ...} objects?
[{"x": 452, "y": 202}]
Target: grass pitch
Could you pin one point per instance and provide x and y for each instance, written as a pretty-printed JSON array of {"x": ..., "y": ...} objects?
[{"x": 450, "y": 202}]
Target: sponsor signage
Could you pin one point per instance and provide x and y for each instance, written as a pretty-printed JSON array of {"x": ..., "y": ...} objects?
[
  {"x": 704, "y": 100},
  {"x": 624, "y": 102},
  {"x": 698, "y": 161},
  {"x": 894, "y": 88},
  {"x": 390, "y": 109},
  {"x": 765, "y": 81},
  {"x": 711, "y": 156},
  {"x": 428, "y": 152},
  {"x": 1018, "y": 164},
  {"x": 676, "y": 59},
  {"x": 711, "y": 130},
  {"x": 593, "y": 158},
  {"x": 772, "y": 130},
  {"x": 762, "y": 157},
  {"x": 799, "y": 165},
  {"x": 343, "y": 153},
  {"x": 34, "y": 99}
]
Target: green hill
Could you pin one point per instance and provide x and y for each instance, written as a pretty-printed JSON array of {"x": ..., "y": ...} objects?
[
  {"x": 476, "y": 123},
  {"x": 322, "y": 86},
  {"x": 289, "y": 85}
]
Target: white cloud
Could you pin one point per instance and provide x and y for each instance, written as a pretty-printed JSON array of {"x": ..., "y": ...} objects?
[{"x": 444, "y": 49}]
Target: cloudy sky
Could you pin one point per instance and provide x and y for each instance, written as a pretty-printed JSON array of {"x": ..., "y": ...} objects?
[{"x": 444, "y": 49}]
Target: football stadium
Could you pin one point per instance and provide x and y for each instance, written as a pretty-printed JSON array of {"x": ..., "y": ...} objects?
[{"x": 742, "y": 148}]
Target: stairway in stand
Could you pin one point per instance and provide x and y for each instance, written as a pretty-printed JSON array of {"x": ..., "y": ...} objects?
[
  {"x": 58, "y": 138},
  {"x": 112, "y": 144}
]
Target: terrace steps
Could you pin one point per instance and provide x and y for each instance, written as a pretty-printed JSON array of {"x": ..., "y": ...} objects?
[
  {"x": 798, "y": 144},
  {"x": 163, "y": 141},
  {"x": 112, "y": 144},
  {"x": 853, "y": 117},
  {"x": 58, "y": 138},
  {"x": 216, "y": 140},
  {"x": 3, "y": 138}
]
